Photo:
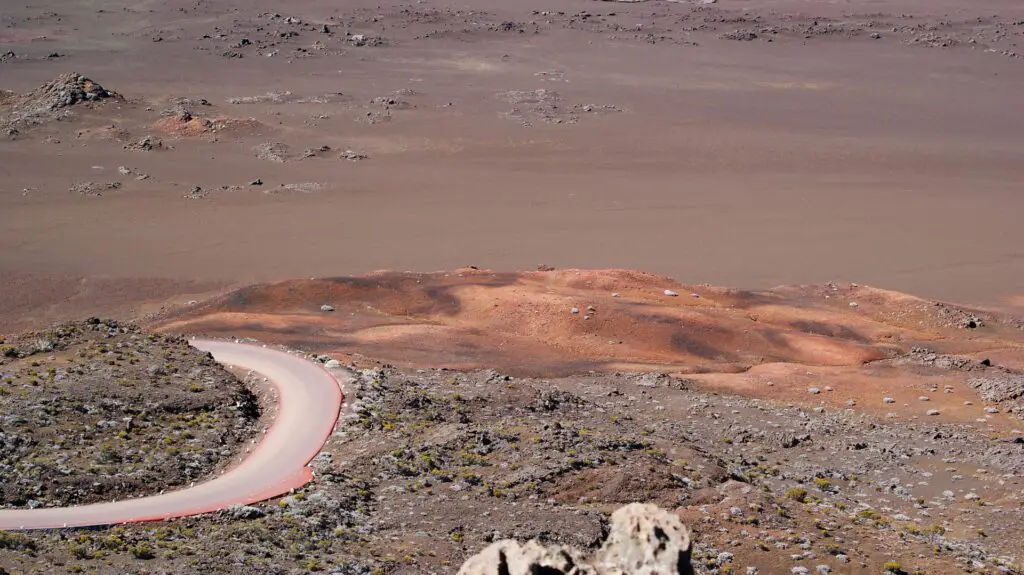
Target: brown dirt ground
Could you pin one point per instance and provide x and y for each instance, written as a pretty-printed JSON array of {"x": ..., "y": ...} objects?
[
  {"x": 813, "y": 152},
  {"x": 771, "y": 344}
]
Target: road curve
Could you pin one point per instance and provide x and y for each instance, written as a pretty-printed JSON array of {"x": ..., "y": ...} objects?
[{"x": 309, "y": 400}]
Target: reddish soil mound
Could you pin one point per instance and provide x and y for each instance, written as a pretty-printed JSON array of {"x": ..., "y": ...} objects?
[
  {"x": 186, "y": 126},
  {"x": 780, "y": 342}
]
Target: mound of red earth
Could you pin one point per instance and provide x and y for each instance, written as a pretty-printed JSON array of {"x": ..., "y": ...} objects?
[{"x": 833, "y": 345}]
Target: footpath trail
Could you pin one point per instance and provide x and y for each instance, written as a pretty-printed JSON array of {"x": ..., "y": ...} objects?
[{"x": 309, "y": 400}]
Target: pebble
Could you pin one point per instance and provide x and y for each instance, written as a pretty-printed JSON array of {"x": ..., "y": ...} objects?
[
  {"x": 972, "y": 496},
  {"x": 327, "y": 307},
  {"x": 819, "y": 410},
  {"x": 888, "y": 400},
  {"x": 670, "y": 293},
  {"x": 798, "y": 570},
  {"x": 854, "y": 304},
  {"x": 823, "y": 569},
  {"x": 724, "y": 557},
  {"x": 616, "y": 294},
  {"x": 813, "y": 390},
  {"x": 924, "y": 398},
  {"x": 751, "y": 570},
  {"x": 842, "y": 558},
  {"x": 575, "y": 311},
  {"x": 932, "y": 412},
  {"x": 991, "y": 410}
]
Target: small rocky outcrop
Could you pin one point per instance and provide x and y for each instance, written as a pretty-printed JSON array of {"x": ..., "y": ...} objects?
[
  {"x": 644, "y": 540},
  {"x": 51, "y": 100},
  {"x": 68, "y": 90}
]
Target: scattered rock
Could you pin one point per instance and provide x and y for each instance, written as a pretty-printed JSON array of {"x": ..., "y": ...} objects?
[
  {"x": 93, "y": 188},
  {"x": 145, "y": 144},
  {"x": 353, "y": 156},
  {"x": 327, "y": 307},
  {"x": 242, "y": 512},
  {"x": 272, "y": 152}
]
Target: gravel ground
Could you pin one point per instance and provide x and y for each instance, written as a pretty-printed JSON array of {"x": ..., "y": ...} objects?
[
  {"x": 432, "y": 465},
  {"x": 98, "y": 410}
]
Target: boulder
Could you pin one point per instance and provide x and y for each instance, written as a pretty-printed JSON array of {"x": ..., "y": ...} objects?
[{"x": 643, "y": 540}]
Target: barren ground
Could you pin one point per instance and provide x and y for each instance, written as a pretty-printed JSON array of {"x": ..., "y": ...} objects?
[
  {"x": 748, "y": 144},
  {"x": 571, "y": 133}
]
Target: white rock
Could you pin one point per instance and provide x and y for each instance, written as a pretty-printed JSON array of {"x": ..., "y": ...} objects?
[
  {"x": 888, "y": 400},
  {"x": 616, "y": 294},
  {"x": 670, "y": 293},
  {"x": 924, "y": 398},
  {"x": 991, "y": 410},
  {"x": 813, "y": 390},
  {"x": 932, "y": 412},
  {"x": 327, "y": 307}
]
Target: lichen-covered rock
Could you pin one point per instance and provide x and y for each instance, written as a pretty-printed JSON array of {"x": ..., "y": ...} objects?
[
  {"x": 510, "y": 558},
  {"x": 644, "y": 540}
]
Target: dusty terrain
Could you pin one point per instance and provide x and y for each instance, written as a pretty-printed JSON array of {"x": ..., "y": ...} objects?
[
  {"x": 330, "y": 139},
  {"x": 230, "y": 168},
  {"x": 864, "y": 344}
]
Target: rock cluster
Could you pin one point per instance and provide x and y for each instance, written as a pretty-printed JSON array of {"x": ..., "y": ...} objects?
[
  {"x": 67, "y": 90},
  {"x": 644, "y": 540}
]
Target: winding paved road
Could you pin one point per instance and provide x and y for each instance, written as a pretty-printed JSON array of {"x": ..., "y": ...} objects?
[{"x": 308, "y": 406}]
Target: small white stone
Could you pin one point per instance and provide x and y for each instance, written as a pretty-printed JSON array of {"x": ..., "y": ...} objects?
[
  {"x": 991, "y": 410},
  {"x": 932, "y": 412},
  {"x": 575, "y": 310},
  {"x": 616, "y": 294},
  {"x": 854, "y": 304},
  {"x": 923, "y": 398},
  {"x": 670, "y": 293},
  {"x": 813, "y": 390},
  {"x": 888, "y": 400}
]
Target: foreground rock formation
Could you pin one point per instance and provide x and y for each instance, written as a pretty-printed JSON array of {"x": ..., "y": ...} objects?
[{"x": 644, "y": 540}]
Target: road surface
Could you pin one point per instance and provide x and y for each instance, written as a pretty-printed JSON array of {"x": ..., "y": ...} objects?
[{"x": 308, "y": 406}]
